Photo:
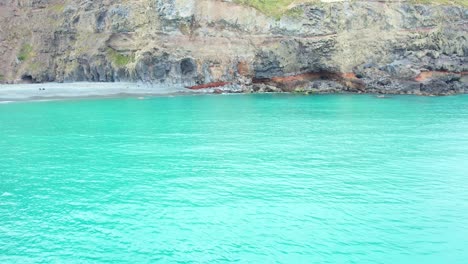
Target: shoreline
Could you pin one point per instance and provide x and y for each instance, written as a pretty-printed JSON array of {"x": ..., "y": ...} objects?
[
  {"x": 10, "y": 93},
  {"x": 85, "y": 90}
]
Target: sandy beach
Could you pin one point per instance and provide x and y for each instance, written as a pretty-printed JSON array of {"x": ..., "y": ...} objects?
[{"x": 49, "y": 91}]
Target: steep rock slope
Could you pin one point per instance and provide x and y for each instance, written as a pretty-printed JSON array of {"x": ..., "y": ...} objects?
[{"x": 359, "y": 46}]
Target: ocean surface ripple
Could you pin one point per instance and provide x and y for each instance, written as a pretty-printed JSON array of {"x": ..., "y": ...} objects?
[{"x": 243, "y": 178}]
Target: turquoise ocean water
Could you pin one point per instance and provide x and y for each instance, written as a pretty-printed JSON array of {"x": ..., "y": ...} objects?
[{"x": 248, "y": 179}]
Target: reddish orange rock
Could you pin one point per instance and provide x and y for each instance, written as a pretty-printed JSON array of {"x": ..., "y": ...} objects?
[
  {"x": 425, "y": 76},
  {"x": 243, "y": 68},
  {"x": 348, "y": 75}
]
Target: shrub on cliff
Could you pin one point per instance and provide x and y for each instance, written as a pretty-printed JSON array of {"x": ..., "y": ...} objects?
[{"x": 25, "y": 52}]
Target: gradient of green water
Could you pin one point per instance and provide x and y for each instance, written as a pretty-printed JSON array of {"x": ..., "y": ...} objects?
[{"x": 248, "y": 179}]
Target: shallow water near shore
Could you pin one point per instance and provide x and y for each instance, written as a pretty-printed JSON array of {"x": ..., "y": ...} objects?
[{"x": 241, "y": 178}]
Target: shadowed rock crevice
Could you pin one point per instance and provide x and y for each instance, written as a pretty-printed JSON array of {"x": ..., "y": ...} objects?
[
  {"x": 187, "y": 66},
  {"x": 27, "y": 78}
]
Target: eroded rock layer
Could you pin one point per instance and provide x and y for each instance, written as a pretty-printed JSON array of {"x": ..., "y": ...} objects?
[{"x": 359, "y": 46}]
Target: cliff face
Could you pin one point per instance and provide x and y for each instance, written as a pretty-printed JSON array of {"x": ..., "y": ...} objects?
[{"x": 322, "y": 47}]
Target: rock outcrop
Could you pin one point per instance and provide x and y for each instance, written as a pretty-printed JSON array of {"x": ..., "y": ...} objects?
[{"x": 358, "y": 46}]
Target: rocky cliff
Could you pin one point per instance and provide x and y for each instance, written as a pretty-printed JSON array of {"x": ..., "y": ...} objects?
[{"x": 358, "y": 46}]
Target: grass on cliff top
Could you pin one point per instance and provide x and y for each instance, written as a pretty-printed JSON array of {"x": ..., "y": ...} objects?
[
  {"x": 118, "y": 59},
  {"x": 25, "y": 52},
  {"x": 58, "y": 8},
  {"x": 441, "y": 2},
  {"x": 278, "y": 8},
  {"x": 275, "y": 8}
]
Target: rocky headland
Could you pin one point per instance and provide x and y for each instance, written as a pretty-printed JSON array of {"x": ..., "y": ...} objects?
[{"x": 390, "y": 47}]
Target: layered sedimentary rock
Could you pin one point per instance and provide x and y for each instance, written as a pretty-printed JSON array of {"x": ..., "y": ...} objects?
[{"x": 359, "y": 46}]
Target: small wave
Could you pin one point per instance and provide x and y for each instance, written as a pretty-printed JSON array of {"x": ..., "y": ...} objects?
[
  {"x": 382, "y": 96},
  {"x": 5, "y": 102},
  {"x": 6, "y": 194}
]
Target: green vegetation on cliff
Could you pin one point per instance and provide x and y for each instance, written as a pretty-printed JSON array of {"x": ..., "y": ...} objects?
[
  {"x": 441, "y": 2},
  {"x": 58, "y": 8},
  {"x": 277, "y": 8},
  {"x": 118, "y": 59},
  {"x": 25, "y": 52}
]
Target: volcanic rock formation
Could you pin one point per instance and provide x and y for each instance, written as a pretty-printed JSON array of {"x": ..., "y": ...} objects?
[{"x": 358, "y": 46}]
